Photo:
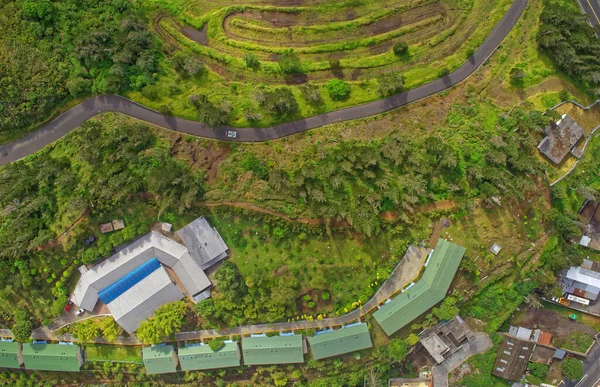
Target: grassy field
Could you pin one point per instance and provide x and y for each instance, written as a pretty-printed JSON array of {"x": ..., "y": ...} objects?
[{"x": 99, "y": 352}]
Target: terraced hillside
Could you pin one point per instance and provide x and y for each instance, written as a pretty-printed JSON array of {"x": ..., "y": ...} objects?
[{"x": 352, "y": 40}]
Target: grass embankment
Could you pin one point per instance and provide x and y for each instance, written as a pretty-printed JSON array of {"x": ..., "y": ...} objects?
[{"x": 99, "y": 352}]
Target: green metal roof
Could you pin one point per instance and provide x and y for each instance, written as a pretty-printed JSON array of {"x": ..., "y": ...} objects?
[
  {"x": 430, "y": 289},
  {"x": 203, "y": 358},
  {"x": 348, "y": 339},
  {"x": 160, "y": 359},
  {"x": 272, "y": 350},
  {"x": 52, "y": 357},
  {"x": 10, "y": 355}
]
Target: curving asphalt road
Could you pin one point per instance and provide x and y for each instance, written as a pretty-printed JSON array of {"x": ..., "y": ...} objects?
[{"x": 74, "y": 117}]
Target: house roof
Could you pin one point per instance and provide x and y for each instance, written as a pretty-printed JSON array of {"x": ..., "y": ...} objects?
[
  {"x": 512, "y": 358},
  {"x": 151, "y": 245},
  {"x": 51, "y": 357},
  {"x": 10, "y": 355},
  {"x": 584, "y": 276},
  {"x": 160, "y": 359},
  {"x": 141, "y": 300},
  {"x": 272, "y": 350},
  {"x": 560, "y": 138},
  {"x": 204, "y": 242},
  {"x": 427, "y": 292},
  {"x": 201, "y": 357},
  {"x": 344, "y": 340},
  {"x": 544, "y": 338}
]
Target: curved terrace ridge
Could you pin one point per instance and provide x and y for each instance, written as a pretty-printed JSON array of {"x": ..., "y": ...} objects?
[{"x": 74, "y": 117}]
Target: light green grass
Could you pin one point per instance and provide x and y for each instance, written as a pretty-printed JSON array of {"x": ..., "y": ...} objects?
[{"x": 101, "y": 352}]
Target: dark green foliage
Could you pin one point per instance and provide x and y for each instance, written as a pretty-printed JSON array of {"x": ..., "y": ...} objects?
[
  {"x": 338, "y": 89},
  {"x": 252, "y": 61},
  {"x": 22, "y": 327},
  {"x": 572, "y": 368},
  {"x": 389, "y": 83},
  {"x": 208, "y": 113},
  {"x": 230, "y": 281},
  {"x": 216, "y": 344},
  {"x": 570, "y": 41},
  {"x": 289, "y": 62},
  {"x": 397, "y": 350},
  {"x": 250, "y": 163},
  {"x": 311, "y": 95},
  {"x": 280, "y": 102},
  {"x": 538, "y": 370},
  {"x": 517, "y": 76},
  {"x": 51, "y": 52},
  {"x": 400, "y": 48},
  {"x": 447, "y": 310}
]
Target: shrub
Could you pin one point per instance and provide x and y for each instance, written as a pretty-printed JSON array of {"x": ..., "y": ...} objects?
[
  {"x": 307, "y": 297},
  {"x": 311, "y": 305},
  {"x": 389, "y": 83},
  {"x": 338, "y": 89},
  {"x": 334, "y": 64},
  {"x": 538, "y": 370},
  {"x": 400, "y": 48},
  {"x": 444, "y": 72},
  {"x": 150, "y": 92},
  {"x": 216, "y": 344},
  {"x": 252, "y": 61},
  {"x": 311, "y": 94},
  {"x": 280, "y": 101},
  {"x": 572, "y": 368},
  {"x": 517, "y": 76},
  {"x": 325, "y": 296},
  {"x": 289, "y": 62}
]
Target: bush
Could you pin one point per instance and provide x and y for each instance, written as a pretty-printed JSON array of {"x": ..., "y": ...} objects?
[
  {"x": 400, "y": 48},
  {"x": 22, "y": 327},
  {"x": 252, "y": 61},
  {"x": 289, "y": 62},
  {"x": 311, "y": 94},
  {"x": 517, "y": 76},
  {"x": 390, "y": 83},
  {"x": 150, "y": 92},
  {"x": 572, "y": 368},
  {"x": 538, "y": 370},
  {"x": 280, "y": 102},
  {"x": 338, "y": 89},
  {"x": 311, "y": 305},
  {"x": 325, "y": 296},
  {"x": 216, "y": 344}
]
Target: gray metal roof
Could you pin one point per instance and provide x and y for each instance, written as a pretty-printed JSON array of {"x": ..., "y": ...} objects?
[
  {"x": 204, "y": 242},
  {"x": 140, "y": 251},
  {"x": 140, "y": 301}
]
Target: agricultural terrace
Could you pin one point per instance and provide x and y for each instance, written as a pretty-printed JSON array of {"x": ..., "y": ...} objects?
[{"x": 246, "y": 51}]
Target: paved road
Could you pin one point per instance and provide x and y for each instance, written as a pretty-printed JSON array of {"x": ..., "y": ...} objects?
[
  {"x": 75, "y": 116},
  {"x": 592, "y": 9},
  {"x": 478, "y": 344}
]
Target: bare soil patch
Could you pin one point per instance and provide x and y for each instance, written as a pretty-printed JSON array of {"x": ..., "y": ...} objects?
[
  {"x": 552, "y": 322},
  {"x": 198, "y": 36}
]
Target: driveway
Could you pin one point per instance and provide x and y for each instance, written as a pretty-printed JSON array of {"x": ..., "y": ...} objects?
[
  {"x": 74, "y": 117},
  {"x": 592, "y": 10},
  {"x": 478, "y": 344}
]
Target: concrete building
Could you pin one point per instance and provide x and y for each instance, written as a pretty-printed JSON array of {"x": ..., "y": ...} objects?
[
  {"x": 348, "y": 339},
  {"x": 561, "y": 138},
  {"x": 204, "y": 242},
  {"x": 415, "y": 300},
  {"x": 262, "y": 350},
  {"x": 201, "y": 357},
  {"x": 444, "y": 339},
  {"x": 52, "y": 357},
  {"x": 160, "y": 359}
]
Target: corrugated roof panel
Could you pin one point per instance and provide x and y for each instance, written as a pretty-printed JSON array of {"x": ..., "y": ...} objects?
[
  {"x": 204, "y": 242},
  {"x": 272, "y": 350},
  {"x": 52, "y": 357},
  {"x": 340, "y": 341},
  {"x": 10, "y": 355},
  {"x": 107, "y": 295},
  {"x": 160, "y": 359},
  {"x": 203, "y": 358}
]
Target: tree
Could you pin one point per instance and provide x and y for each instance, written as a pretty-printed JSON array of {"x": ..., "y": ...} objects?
[
  {"x": 398, "y": 350},
  {"x": 517, "y": 76},
  {"x": 538, "y": 370},
  {"x": 400, "y": 48},
  {"x": 41, "y": 10},
  {"x": 289, "y": 62},
  {"x": 389, "y": 83},
  {"x": 572, "y": 368},
  {"x": 230, "y": 281},
  {"x": 192, "y": 66},
  {"x": 280, "y": 102},
  {"x": 85, "y": 331},
  {"x": 110, "y": 329},
  {"x": 447, "y": 310},
  {"x": 167, "y": 320},
  {"x": 252, "y": 61},
  {"x": 22, "y": 327},
  {"x": 216, "y": 344},
  {"x": 311, "y": 94},
  {"x": 412, "y": 339},
  {"x": 338, "y": 89}
]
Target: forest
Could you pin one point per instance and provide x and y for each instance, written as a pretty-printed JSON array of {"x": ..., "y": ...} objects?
[{"x": 53, "y": 52}]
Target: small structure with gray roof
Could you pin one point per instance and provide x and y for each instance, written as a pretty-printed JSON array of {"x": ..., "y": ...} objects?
[
  {"x": 561, "y": 138},
  {"x": 202, "y": 357},
  {"x": 204, "y": 242},
  {"x": 262, "y": 350},
  {"x": 160, "y": 359},
  {"x": 348, "y": 339}
]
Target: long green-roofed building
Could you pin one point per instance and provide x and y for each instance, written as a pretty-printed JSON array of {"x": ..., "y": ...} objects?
[
  {"x": 349, "y": 339},
  {"x": 52, "y": 357},
  {"x": 428, "y": 291},
  {"x": 10, "y": 355},
  {"x": 272, "y": 350},
  {"x": 201, "y": 357},
  {"x": 160, "y": 359}
]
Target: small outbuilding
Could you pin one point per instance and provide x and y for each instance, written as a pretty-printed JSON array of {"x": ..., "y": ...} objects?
[
  {"x": 261, "y": 350},
  {"x": 204, "y": 243},
  {"x": 338, "y": 342},
  {"x": 201, "y": 357},
  {"x": 160, "y": 359},
  {"x": 52, "y": 357},
  {"x": 10, "y": 355},
  {"x": 561, "y": 138}
]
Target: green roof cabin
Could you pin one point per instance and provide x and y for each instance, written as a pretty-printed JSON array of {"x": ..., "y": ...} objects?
[
  {"x": 259, "y": 350},
  {"x": 10, "y": 355},
  {"x": 160, "y": 359},
  {"x": 52, "y": 357},
  {"x": 351, "y": 338},
  {"x": 201, "y": 357},
  {"x": 440, "y": 269}
]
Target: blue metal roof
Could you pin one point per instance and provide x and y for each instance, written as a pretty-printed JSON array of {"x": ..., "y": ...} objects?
[{"x": 122, "y": 285}]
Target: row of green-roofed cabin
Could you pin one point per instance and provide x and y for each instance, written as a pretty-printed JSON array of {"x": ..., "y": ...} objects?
[
  {"x": 41, "y": 357},
  {"x": 262, "y": 350},
  {"x": 351, "y": 338}
]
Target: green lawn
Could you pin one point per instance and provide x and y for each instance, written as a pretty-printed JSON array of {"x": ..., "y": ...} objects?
[{"x": 99, "y": 352}]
